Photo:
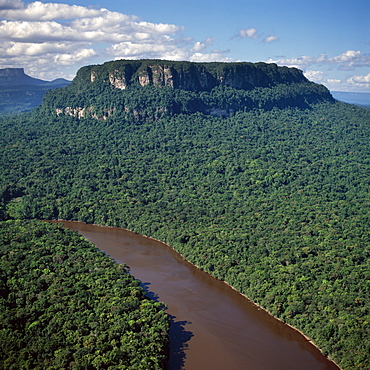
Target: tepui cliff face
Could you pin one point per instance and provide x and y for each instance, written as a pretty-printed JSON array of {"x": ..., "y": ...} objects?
[{"x": 190, "y": 76}]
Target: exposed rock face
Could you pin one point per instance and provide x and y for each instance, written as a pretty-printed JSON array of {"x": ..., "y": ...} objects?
[
  {"x": 190, "y": 76},
  {"x": 93, "y": 76},
  {"x": 118, "y": 81},
  {"x": 80, "y": 112}
]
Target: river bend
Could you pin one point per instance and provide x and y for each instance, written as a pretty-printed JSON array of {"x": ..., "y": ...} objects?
[{"x": 213, "y": 327}]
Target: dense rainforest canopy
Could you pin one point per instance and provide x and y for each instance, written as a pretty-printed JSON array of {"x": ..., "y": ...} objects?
[
  {"x": 266, "y": 188},
  {"x": 66, "y": 305}
]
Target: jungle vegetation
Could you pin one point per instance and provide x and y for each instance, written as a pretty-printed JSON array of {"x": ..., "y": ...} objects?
[
  {"x": 66, "y": 305},
  {"x": 266, "y": 189}
]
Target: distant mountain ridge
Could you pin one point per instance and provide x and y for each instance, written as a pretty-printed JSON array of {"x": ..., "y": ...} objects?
[
  {"x": 361, "y": 99},
  {"x": 21, "y": 93},
  {"x": 16, "y": 76}
]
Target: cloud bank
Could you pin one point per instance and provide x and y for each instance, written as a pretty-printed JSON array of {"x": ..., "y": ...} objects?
[
  {"x": 10, "y": 4},
  {"x": 349, "y": 60},
  {"x": 52, "y": 40},
  {"x": 40, "y": 35}
]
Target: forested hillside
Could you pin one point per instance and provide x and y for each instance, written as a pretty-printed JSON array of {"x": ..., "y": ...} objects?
[{"x": 266, "y": 188}]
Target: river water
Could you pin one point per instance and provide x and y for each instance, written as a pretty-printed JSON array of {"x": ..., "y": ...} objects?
[{"x": 212, "y": 326}]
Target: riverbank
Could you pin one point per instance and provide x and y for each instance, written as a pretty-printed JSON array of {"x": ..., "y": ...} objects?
[
  {"x": 244, "y": 296},
  {"x": 278, "y": 326}
]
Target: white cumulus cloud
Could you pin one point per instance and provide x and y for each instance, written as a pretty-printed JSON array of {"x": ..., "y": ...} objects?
[
  {"x": 10, "y": 4},
  {"x": 346, "y": 56},
  {"x": 15, "y": 49},
  {"x": 38, "y": 11},
  {"x": 134, "y": 50},
  {"x": 76, "y": 56},
  {"x": 47, "y": 37},
  {"x": 348, "y": 60},
  {"x": 215, "y": 55},
  {"x": 316, "y": 76},
  {"x": 270, "y": 38},
  {"x": 201, "y": 45},
  {"x": 250, "y": 33},
  {"x": 165, "y": 50},
  {"x": 355, "y": 83},
  {"x": 363, "y": 81},
  {"x": 36, "y": 31}
]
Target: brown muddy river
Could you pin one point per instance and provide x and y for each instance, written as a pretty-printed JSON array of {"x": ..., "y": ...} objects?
[{"x": 213, "y": 327}]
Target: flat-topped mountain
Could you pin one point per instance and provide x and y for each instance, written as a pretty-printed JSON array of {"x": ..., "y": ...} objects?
[
  {"x": 21, "y": 93},
  {"x": 190, "y": 75},
  {"x": 16, "y": 76},
  {"x": 157, "y": 87}
]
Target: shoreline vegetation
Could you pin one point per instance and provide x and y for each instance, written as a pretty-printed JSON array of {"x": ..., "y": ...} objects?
[
  {"x": 265, "y": 186},
  {"x": 201, "y": 269}
]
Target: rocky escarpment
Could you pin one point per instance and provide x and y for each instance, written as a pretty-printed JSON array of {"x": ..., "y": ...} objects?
[
  {"x": 188, "y": 75},
  {"x": 82, "y": 112}
]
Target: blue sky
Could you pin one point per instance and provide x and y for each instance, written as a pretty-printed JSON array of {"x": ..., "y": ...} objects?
[{"x": 329, "y": 40}]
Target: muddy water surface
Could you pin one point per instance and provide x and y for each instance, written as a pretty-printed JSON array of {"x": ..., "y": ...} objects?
[{"x": 213, "y": 327}]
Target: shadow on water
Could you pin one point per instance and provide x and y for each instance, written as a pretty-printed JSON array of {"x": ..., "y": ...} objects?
[
  {"x": 148, "y": 293},
  {"x": 179, "y": 336},
  {"x": 178, "y": 343}
]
